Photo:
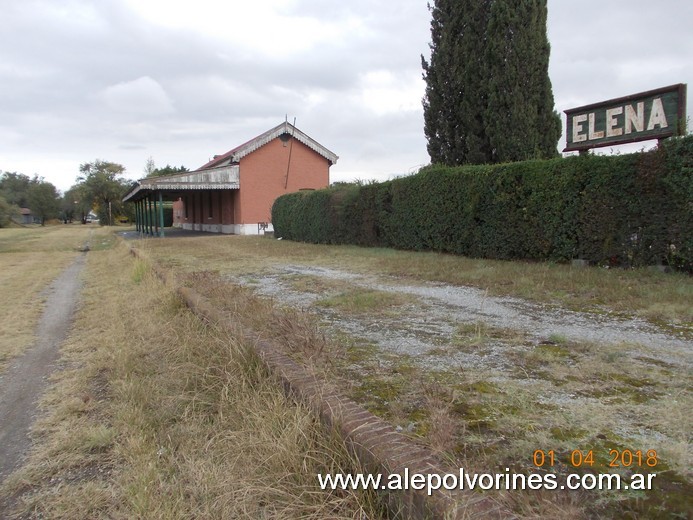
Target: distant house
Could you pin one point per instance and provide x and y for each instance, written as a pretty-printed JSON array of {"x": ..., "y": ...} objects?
[
  {"x": 25, "y": 216},
  {"x": 234, "y": 192}
]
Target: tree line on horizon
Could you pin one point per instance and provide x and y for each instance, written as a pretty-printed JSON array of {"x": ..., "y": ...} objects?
[{"x": 100, "y": 187}]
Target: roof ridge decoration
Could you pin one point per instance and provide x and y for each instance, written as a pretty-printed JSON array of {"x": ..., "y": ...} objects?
[{"x": 261, "y": 140}]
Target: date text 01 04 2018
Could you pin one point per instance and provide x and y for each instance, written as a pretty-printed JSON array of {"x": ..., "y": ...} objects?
[{"x": 585, "y": 458}]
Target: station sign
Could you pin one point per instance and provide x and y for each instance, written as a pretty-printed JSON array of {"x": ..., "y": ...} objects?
[{"x": 655, "y": 114}]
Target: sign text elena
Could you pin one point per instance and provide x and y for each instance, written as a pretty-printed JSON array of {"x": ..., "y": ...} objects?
[{"x": 655, "y": 114}]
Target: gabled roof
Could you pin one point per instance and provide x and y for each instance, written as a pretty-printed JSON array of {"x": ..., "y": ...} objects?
[{"x": 241, "y": 151}]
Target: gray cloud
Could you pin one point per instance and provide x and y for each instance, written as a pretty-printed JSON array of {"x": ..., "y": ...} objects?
[{"x": 82, "y": 79}]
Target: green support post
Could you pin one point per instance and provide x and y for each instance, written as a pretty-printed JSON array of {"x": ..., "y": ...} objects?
[
  {"x": 155, "y": 218},
  {"x": 152, "y": 209},
  {"x": 147, "y": 204},
  {"x": 161, "y": 215}
]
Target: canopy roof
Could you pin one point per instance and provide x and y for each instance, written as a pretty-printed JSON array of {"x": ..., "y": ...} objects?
[{"x": 222, "y": 178}]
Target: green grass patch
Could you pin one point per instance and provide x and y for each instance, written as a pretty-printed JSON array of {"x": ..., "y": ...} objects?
[{"x": 364, "y": 301}]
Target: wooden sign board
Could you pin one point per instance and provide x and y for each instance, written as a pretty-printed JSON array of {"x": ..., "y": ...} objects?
[{"x": 655, "y": 114}]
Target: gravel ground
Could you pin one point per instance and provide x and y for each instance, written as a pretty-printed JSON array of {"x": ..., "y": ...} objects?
[{"x": 439, "y": 309}]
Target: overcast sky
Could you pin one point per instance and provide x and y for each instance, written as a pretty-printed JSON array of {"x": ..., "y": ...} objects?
[{"x": 181, "y": 81}]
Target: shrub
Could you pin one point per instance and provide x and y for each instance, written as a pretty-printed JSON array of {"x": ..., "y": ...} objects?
[{"x": 625, "y": 210}]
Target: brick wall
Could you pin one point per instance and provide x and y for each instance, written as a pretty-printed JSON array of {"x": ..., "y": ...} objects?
[{"x": 263, "y": 174}]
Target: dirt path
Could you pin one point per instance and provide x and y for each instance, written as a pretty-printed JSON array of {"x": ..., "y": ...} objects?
[{"x": 24, "y": 381}]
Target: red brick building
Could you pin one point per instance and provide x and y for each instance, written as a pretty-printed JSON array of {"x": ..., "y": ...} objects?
[{"x": 234, "y": 192}]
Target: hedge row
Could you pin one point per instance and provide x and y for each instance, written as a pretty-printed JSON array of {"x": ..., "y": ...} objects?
[{"x": 627, "y": 210}]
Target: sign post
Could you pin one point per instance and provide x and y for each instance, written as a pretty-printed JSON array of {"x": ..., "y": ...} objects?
[{"x": 655, "y": 114}]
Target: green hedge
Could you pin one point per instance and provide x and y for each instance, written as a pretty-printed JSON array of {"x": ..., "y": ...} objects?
[{"x": 626, "y": 210}]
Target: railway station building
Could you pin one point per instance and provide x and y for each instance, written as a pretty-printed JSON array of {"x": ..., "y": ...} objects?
[{"x": 233, "y": 193}]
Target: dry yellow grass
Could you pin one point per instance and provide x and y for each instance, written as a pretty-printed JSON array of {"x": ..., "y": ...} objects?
[
  {"x": 156, "y": 415},
  {"x": 30, "y": 258}
]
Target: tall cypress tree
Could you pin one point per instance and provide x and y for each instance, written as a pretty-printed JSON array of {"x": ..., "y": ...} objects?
[
  {"x": 488, "y": 93},
  {"x": 454, "y": 82}
]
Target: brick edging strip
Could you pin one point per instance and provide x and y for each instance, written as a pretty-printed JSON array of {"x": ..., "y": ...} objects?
[{"x": 375, "y": 442}]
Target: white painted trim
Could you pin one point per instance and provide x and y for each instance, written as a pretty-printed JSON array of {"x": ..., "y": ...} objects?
[
  {"x": 211, "y": 228},
  {"x": 235, "y": 155},
  {"x": 250, "y": 229},
  {"x": 227, "y": 229}
]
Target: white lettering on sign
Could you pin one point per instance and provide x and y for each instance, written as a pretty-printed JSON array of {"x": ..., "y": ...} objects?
[
  {"x": 577, "y": 128},
  {"x": 611, "y": 129},
  {"x": 590, "y": 128},
  {"x": 657, "y": 116},
  {"x": 633, "y": 120}
]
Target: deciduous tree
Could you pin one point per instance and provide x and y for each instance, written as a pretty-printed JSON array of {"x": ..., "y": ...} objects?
[
  {"x": 103, "y": 185},
  {"x": 43, "y": 200},
  {"x": 14, "y": 187},
  {"x": 167, "y": 170},
  {"x": 7, "y": 212}
]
